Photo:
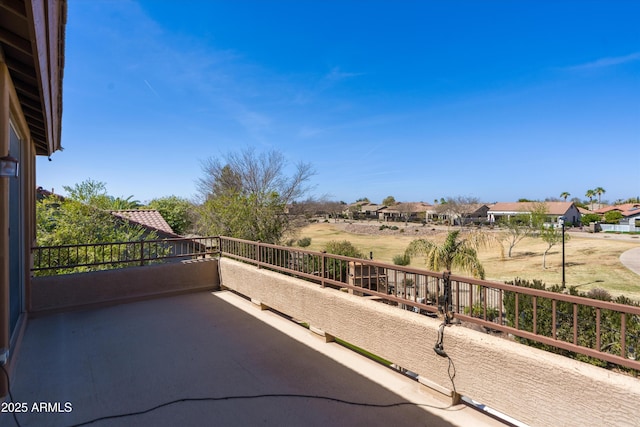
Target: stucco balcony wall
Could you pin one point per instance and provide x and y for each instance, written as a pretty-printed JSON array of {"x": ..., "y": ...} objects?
[
  {"x": 99, "y": 288},
  {"x": 530, "y": 385}
]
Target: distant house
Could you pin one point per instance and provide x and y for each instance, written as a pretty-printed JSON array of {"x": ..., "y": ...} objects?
[
  {"x": 153, "y": 222},
  {"x": 475, "y": 213},
  {"x": 458, "y": 213},
  {"x": 630, "y": 212},
  {"x": 370, "y": 210},
  {"x": 554, "y": 211},
  {"x": 41, "y": 193},
  {"x": 149, "y": 219},
  {"x": 361, "y": 210},
  {"x": 408, "y": 211},
  {"x": 584, "y": 211}
]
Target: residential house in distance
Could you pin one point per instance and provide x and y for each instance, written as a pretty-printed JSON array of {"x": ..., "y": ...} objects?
[
  {"x": 404, "y": 211},
  {"x": 361, "y": 210},
  {"x": 630, "y": 220},
  {"x": 371, "y": 210},
  {"x": 630, "y": 212},
  {"x": 554, "y": 211},
  {"x": 474, "y": 213},
  {"x": 149, "y": 219}
]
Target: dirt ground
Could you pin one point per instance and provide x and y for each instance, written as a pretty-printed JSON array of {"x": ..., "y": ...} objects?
[{"x": 592, "y": 260}]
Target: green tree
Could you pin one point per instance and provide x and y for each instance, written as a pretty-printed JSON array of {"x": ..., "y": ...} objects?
[
  {"x": 539, "y": 216},
  {"x": 389, "y": 201},
  {"x": 70, "y": 222},
  {"x": 176, "y": 211},
  {"x": 551, "y": 236},
  {"x": 120, "y": 204},
  {"x": 89, "y": 192},
  {"x": 565, "y": 195},
  {"x": 613, "y": 217},
  {"x": 246, "y": 195},
  {"x": 517, "y": 227},
  {"x": 453, "y": 253},
  {"x": 337, "y": 269},
  {"x": 589, "y": 218},
  {"x": 342, "y": 247},
  {"x": 94, "y": 193}
]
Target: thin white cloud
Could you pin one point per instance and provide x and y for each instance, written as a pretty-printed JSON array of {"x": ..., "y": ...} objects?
[
  {"x": 309, "y": 132},
  {"x": 607, "y": 62},
  {"x": 335, "y": 75},
  {"x": 151, "y": 88}
]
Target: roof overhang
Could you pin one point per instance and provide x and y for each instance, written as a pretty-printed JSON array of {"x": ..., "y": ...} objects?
[{"x": 32, "y": 41}]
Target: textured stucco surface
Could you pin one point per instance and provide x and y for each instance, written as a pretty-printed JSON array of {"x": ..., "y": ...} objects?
[
  {"x": 530, "y": 385},
  {"x": 82, "y": 290}
]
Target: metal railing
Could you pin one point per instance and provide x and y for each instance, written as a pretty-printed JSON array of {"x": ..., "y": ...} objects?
[
  {"x": 62, "y": 259},
  {"x": 590, "y": 328}
]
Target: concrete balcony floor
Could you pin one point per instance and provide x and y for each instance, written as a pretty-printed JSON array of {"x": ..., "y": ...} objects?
[{"x": 133, "y": 357}]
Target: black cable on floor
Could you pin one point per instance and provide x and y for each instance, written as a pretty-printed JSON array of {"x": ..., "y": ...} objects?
[{"x": 260, "y": 396}]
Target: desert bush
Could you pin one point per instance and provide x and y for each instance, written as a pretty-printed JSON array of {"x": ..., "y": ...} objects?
[
  {"x": 304, "y": 242},
  {"x": 588, "y": 218},
  {"x": 478, "y": 311},
  {"x": 402, "y": 259},
  {"x": 610, "y": 320}
]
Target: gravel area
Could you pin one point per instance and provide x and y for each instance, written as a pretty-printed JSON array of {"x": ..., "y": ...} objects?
[{"x": 373, "y": 228}]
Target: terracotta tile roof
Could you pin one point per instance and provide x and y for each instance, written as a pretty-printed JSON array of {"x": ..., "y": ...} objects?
[
  {"x": 584, "y": 211},
  {"x": 626, "y": 209},
  {"x": 553, "y": 208},
  {"x": 149, "y": 218}
]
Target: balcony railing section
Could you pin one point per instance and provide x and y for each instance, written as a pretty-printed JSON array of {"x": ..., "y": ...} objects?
[
  {"x": 64, "y": 259},
  {"x": 584, "y": 328},
  {"x": 597, "y": 330}
]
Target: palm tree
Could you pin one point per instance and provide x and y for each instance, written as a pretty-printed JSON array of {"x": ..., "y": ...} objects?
[
  {"x": 564, "y": 195},
  {"x": 121, "y": 204},
  {"x": 452, "y": 253},
  {"x": 599, "y": 191},
  {"x": 590, "y": 194}
]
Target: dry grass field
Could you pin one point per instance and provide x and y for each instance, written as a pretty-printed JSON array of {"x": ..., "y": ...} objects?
[{"x": 590, "y": 262}]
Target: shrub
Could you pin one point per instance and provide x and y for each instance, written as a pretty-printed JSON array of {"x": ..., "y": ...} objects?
[
  {"x": 395, "y": 227},
  {"x": 383, "y": 227},
  {"x": 304, "y": 242},
  {"x": 337, "y": 269},
  {"x": 478, "y": 311},
  {"x": 588, "y": 218},
  {"x": 402, "y": 259},
  {"x": 612, "y": 217},
  {"x": 344, "y": 248},
  {"x": 610, "y": 320}
]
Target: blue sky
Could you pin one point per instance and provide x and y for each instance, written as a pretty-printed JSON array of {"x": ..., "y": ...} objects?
[{"x": 416, "y": 99}]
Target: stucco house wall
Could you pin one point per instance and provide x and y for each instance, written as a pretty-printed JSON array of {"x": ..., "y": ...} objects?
[{"x": 31, "y": 73}]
